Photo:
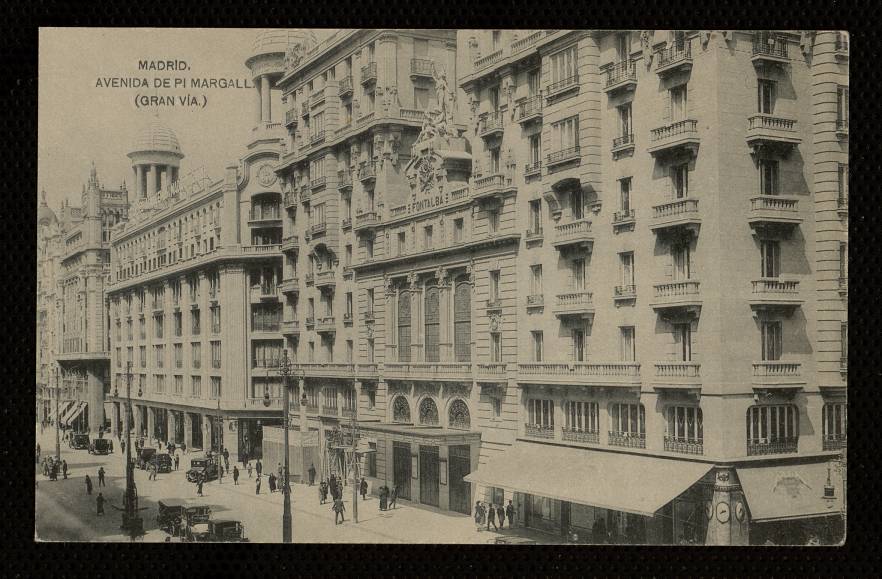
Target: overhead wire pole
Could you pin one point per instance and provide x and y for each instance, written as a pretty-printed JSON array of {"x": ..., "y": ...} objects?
[
  {"x": 285, "y": 371},
  {"x": 57, "y": 425},
  {"x": 355, "y": 483}
]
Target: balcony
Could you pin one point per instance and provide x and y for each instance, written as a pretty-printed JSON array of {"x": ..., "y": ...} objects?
[
  {"x": 290, "y": 285},
  {"x": 367, "y": 220},
  {"x": 258, "y": 218},
  {"x": 369, "y": 73},
  {"x": 490, "y": 372},
  {"x": 344, "y": 179},
  {"x": 684, "y": 446},
  {"x": 530, "y": 109},
  {"x": 535, "y": 301},
  {"x": 291, "y": 243},
  {"x": 329, "y": 410},
  {"x": 627, "y": 439},
  {"x": 581, "y": 436},
  {"x": 422, "y": 68},
  {"x": 776, "y": 135},
  {"x": 620, "y": 76},
  {"x": 310, "y": 322},
  {"x": 367, "y": 172},
  {"x": 434, "y": 371},
  {"x": 834, "y": 442},
  {"x": 772, "y": 212},
  {"x": 318, "y": 182},
  {"x": 677, "y": 375},
  {"x": 577, "y": 304},
  {"x": 562, "y": 87},
  {"x": 489, "y": 186},
  {"x": 678, "y": 296},
  {"x": 309, "y": 278},
  {"x": 576, "y": 233},
  {"x": 563, "y": 156},
  {"x": 327, "y": 370},
  {"x": 316, "y": 97},
  {"x": 775, "y": 295},
  {"x": 625, "y": 292},
  {"x": 533, "y": 169},
  {"x": 679, "y": 136},
  {"x": 769, "y": 50},
  {"x": 318, "y": 229},
  {"x": 842, "y": 128},
  {"x": 317, "y": 137},
  {"x": 612, "y": 374},
  {"x": 624, "y": 217},
  {"x": 763, "y": 446},
  {"x": 679, "y": 214},
  {"x": 526, "y": 42},
  {"x": 677, "y": 57},
  {"x": 291, "y": 327},
  {"x": 291, "y": 118},
  {"x": 491, "y": 125},
  {"x": 325, "y": 325},
  {"x": 488, "y": 60},
  {"x": 291, "y": 199},
  {"x": 841, "y": 46},
  {"x": 623, "y": 145},
  {"x": 345, "y": 86},
  {"x": 265, "y": 292},
  {"x": 777, "y": 374},
  {"x": 325, "y": 279},
  {"x": 538, "y": 431}
]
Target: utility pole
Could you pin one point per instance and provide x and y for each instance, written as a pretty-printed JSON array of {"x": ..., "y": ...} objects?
[
  {"x": 285, "y": 371},
  {"x": 131, "y": 522},
  {"x": 355, "y": 481},
  {"x": 57, "y": 425}
]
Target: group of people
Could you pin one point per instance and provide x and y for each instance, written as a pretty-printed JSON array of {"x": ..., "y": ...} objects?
[
  {"x": 50, "y": 466},
  {"x": 388, "y": 497},
  {"x": 490, "y": 514}
]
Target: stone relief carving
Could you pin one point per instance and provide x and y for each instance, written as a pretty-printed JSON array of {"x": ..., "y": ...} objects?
[
  {"x": 806, "y": 41},
  {"x": 646, "y": 46}
]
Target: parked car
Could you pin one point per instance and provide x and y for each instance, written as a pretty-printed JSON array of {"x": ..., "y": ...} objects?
[
  {"x": 220, "y": 531},
  {"x": 202, "y": 467},
  {"x": 144, "y": 457},
  {"x": 79, "y": 441},
  {"x": 100, "y": 446},
  {"x": 163, "y": 462}
]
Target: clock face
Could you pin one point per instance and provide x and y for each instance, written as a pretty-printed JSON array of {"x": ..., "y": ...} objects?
[
  {"x": 266, "y": 176},
  {"x": 739, "y": 511},
  {"x": 723, "y": 512}
]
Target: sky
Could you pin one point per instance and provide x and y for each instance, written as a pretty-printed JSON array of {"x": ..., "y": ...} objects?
[{"x": 79, "y": 123}]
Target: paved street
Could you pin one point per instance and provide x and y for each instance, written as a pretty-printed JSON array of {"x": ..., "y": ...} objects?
[{"x": 65, "y": 512}]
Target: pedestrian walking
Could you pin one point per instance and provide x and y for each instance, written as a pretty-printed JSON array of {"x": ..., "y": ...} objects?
[
  {"x": 64, "y": 469},
  {"x": 88, "y": 485},
  {"x": 257, "y": 486},
  {"x": 393, "y": 497},
  {"x": 259, "y": 468},
  {"x": 363, "y": 487},
  {"x": 111, "y": 445},
  {"x": 99, "y": 502},
  {"x": 491, "y": 517},
  {"x": 236, "y": 475},
  {"x": 122, "y": 446},
  {"x": 510, "y": 513},
  {"x": 384, "y": 497},
  {"x": 199, "y": 486},
  {"x": 101, "y": 482},
  {"x": 500, "y": 514},
  {"x": 311, "y": 472},
  {"x": 339, "y": 507},
  {"x": 226, "y": 456},
  {"x": 332, "y": 486},
  {"x": 272, "y": 483},
  {"x": 248, "y": 466},
  {"x": 280, "y": 472},
  {"x": 177, "y": 461},
  {"x": 479, "y": 519},
  {"x": 323, "y": 492},
  {"x": 220, "y": 474}
]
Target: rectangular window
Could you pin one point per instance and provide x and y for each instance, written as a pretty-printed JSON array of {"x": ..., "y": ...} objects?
[
  {"x": 628, "y": 420},
  {"x": 420, "y": 48},
  {"x": 119, "y": 357},
  {"x": 579, "y": 354},
  {"x": 402, "y": 242},
  {"x": 457, "y": 230},
  {"x": 533, "y": 83},
  {"x": 565, "y": 133},
  {"x": 494, "y": 162},
  {"x": 142, "y": 356},
  {"x": 370, "y": 351},
  {"x": 195, "y": 326},
  {"x": 494, "y": 286},
  {"x": 843, "y": 344},
  {"x": 628, "y": 344},
  {"x": 493, "y": 220},
  {"x": 538, "y": 346},
  {"x": 623, "y": 46},
  {"x": 625, "y": 195},
  {"x": 159, "y": 352},
  {"x": 215, "y": 387},
  {"x": 215, "y": 320},
  {"x": 421, "y": 98},
  {"x": 196, "y": 386},
  {"x": 770, "y": 252},
  {"x": 680, "y": 256},
  {"x": 842, "y": 105},
  {"x": 216, "y": 354},
  {"x": 347, "y": 256},
  {"x": 179, "y": 325},
  {"x": 179, "y": 385},
  {"x": 159, "y": 381},
  {"x": 349, "y": 305},
  {"x": 157, "y": 326},
  {"x": 196, "y": 354},
  {"x": 311, "y": 352},
  {"x": 772, "y": 341},
  {"x": 541, "y": 413},
  {"x": 684, "y": 424},
  {"x": 350, "y": 352},
  {"x": 625, "y": 128},
  {"x": 765, "y": 96},
  {"x": 535, "y": 227},
  {"x": 536, "y": 280},
  {"x": 142, "y": 328},
  {"x": 495, "y": 347},
  {"x": 626, "y": 262},
  {"x": 496, "y": 38},
  {"x": 427, "y": 238},
  {"x": 266, "y": 353},
  {"x": 768, "y": 174},
  {"x": 577, "y": 204},
  {"x": 582, "y": 416},
  {"x": 564, "y": 65},
  {"x": 843, "y": 262},
  {"x": 678, "y": 103},
  {"x": 680, "y": 180},
  {"x": 493, "y": 97},
  {"x": 772, "y": 424},
  {"x": 179, "y": 355},
  {"x": 370, "y": 302},
  {"x": 843, "y": 185},
  {"x": 835, "y": 422},
  {"x": 577, "y": 273},
  {"x": 683, "y": 339}
]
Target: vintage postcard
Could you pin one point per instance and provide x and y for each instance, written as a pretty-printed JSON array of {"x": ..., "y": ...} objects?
[{"x": 442, "y": 286}]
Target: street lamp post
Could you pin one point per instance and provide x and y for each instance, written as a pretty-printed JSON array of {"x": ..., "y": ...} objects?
[
  {"x": 57, "y": 425},
  {"x": 131, "y": 521},
  {"x": 285, "y": 371}
]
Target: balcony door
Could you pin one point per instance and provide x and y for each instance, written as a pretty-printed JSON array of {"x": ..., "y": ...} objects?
[
  {"x": 579, "y": 345},
  {"x": 578, "y": 273},
  {"x": 678, "y": 103},
  {"x": 770, "y": 265},
  {"x": 533, "y": 83},
  {"x": 577, "y": 200},
  {"x": 766, "y": 96},
  {"x": 623, "y": 46},
  {"x": 681, "y": 258},
  {"x": 680, "y": 180},
  {"x": 625, "y": 120},
  {"x": 772, "y": 341},
  {"x": 683, "y": 341},
  {"x": 768, "y": 174}
]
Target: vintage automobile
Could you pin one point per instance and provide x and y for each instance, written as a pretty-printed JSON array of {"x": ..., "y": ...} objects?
[
  {"x": 219, "y": 531},
  {"x": 79, "y": 441},
  {"x": 100, "y": 446},
  {"x": 205, "y": 468},
  {"x": 144, "y": 457},
  {"x": 163, "y": 462},
  {"x": 181, "y": 522},
  {"x": 171, "y": 517}
]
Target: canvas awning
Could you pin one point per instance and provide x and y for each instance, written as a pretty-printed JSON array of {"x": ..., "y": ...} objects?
[
  {"x": 791, "y": 491},
  {"x": 622, "y": 482},
  {"x": 66, "y": 410},
  {"x": 75, "y": 411}
]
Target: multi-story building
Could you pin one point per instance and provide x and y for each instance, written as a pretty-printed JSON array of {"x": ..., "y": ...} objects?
[
  {"x": 73, "y": 261},
  {"x": 196, "y": 299},
  {"x": 677, "y": 292}
]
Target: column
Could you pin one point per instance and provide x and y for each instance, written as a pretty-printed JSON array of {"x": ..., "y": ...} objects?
[
  {"x": 139, "y": 182},
  {"x": 114, "y": 420},
  {"x": 151, "y": 424},
  {"x": 258, "y": 115},
  {"x": 136, "y": 419},
  {"x": 188, "y": 429},
  {"x": 155, "y": 184},
  {"x": 94, "y": 397},
  {"x": 445, "y": 329},
  {"x": 206, "y": 432},
  {"x": 171, "y": 426},
  {"x": 265, "y": 104}
]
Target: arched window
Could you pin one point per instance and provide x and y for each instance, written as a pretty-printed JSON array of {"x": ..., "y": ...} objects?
[
  {"x": 458, "y": 416},
  {"x": 462, "y": 320},
  {"x": 400, "y": 410},
  {"x": 404, "y": 326},
  {"x": 428, "y": 412},
  {"x": 433, "y": 324}
]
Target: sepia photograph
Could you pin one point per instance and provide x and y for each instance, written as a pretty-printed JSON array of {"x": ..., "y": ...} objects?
[{"x": 442, "y": 286}]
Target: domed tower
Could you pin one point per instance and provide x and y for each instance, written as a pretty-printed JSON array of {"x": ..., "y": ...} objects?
[
  {"x": 156, "y": 158},
  {"x": 45, "y": 216},
  {"x": 273, "y": 53}
]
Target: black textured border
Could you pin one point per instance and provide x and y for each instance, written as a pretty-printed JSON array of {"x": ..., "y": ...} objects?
[{"x": 18, "y": 46}]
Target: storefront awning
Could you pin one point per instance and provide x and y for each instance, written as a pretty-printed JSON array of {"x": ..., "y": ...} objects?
[
  {"x": 66, "y": 410},
  {"x": 790, "y": 492},
  {"x": 74, "y": 412},
  {"x": 622, "y": 482}
]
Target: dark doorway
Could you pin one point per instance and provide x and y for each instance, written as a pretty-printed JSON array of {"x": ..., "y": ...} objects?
[
  {"x": 401, "y": 459},
  {"x": 429, "y": 475},
  {"x": 460, "y": 490},
  {"x": 196, "y": 430}
]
